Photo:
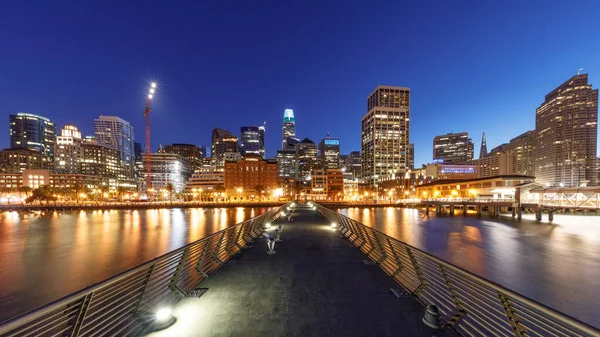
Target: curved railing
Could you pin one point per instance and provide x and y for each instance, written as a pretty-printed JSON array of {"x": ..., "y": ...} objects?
[
  {"x": 123, "y": 304},
  {"x": 471, "y": 304}
]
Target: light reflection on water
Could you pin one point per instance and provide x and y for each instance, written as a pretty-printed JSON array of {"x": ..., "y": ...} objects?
[
  {"x": 45, "y": 257},
  {"x": 556, "y": 263}
]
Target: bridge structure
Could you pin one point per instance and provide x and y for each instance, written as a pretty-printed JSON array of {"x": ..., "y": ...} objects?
[{"x": 319, "y": 273}]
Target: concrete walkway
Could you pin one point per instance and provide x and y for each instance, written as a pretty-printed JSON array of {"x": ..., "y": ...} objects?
[{"x": 315, "y": 285}]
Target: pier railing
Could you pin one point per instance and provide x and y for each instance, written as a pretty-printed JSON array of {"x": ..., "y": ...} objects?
[
  {"x": 124, "y": 304},
  {"x": 471, "y": 304}
]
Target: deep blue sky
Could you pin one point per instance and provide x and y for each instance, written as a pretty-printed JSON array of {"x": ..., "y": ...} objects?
[{"x": 472, "y": 66}]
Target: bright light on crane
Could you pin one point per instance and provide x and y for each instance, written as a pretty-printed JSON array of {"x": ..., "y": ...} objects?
[
  {"x": 151, "y": 90},
  {"x": 153, "y": 85},
  {"x": 150, "y": 96}
]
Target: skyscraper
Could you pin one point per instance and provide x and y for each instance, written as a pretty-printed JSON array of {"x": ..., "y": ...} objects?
[
  {"x": 566, "y": 131},
  {"x": 452, "y": 148},
  {"x": 286, "y": 161},
  {"x": 306, "y": 159},
  {"x": 289, "y": 127},
  {"x": 329, "y": 153},
  {"x": 117, "y": 133},
  {"x": 250, "y": 142},
  {"x": 187, "y": 151},
  {"x": 483, "y": 149},
  {"x": 68, "y": 151},
  {"x": 33, "y": 132},
  {"x": 353, "y": 164},
  {"x": 386, "y": 134},
  {"x": 261, "y": 136},
  {"x": 223, "y": 142}
]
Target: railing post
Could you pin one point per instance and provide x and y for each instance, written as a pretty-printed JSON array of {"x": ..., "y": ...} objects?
[
  {"x": 216, "y": 254},
  {"x": 85, "y": 304},
  {"x": 460, "y": 311},
  {"x": 513, "y": 318},
  {"x": 418, "y": 270},
  {"x": 237, "y": 237},
  {"x": 396, "y": 258},
  {"x": 144, "y": 287},
  {"x": 175, "y": 278},
  {"x": 381, "y": 249},
  {"x": 201, "y": 259}
]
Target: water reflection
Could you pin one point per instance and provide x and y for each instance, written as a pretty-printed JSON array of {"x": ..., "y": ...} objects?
[
  {"x": 556, "y": 263},
  {"x": 45, "y": 257}
]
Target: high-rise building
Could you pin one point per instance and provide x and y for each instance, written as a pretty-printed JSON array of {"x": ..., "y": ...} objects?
[
  {"x": 223, "y": 141},
  {"x": 329, "y": 153},
  {"x": 521, "y": 147},
  {"x": 100, "y": 160},
  {"x": 353, "y": 164},
  {"x": 566, "y": 131},
  {"x": 117, "y": 133},
  {"x": 497, "y": 163},
  {"x": 483, "y": 149},
  {"x": 187, "y": 151},
  {"x": 386, "y": 134},
  {"x": 250, "y": 141},
  {"x": 290, "y": 143},
  {"x": 286, "y": 161},
  {"x": 306, "y": 159},
  {"x": 203, "y": 153},
  {"x": 452, "y": 148},
  {"x": 261, "y": 137},
  {"x": 289, "y": 127},
  {"x": 17, "y": 160},
  {"x": 68, "y": 151},
  {"x": 411, "y": 156},
  {"x": 168, "y": 168},
  {"x": 33, "y": 132}
]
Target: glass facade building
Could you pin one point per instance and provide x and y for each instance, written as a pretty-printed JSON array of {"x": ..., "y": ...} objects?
[
  {"x": 289, "y": 127},
  {"x": 223, "y": 142},
  {"x": 452, "y": 148},
  {"x": 250, "y": 141},
  {"x": 329, "y": 153},
  {"x": 33, "y": 132},
  {"x": 117, "y": 133}
]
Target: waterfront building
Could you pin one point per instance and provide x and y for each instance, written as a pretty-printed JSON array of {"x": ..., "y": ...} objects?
[
  {"x": 117, "y": 133},
  {"x": 16, "y": 160},
  {"x": 68, "y": 150},
  {"x": 206, "y": 179},
  {"x": 187, "y": 151},
  {"x": 496, "y": 187},
  {"x": 11, "y": 182},
  {"x": 452, "y": 148},
  {"x": 306, "y": 159},
  {"x": 335, "y": 184},
  {"x": 329, "y": 153},
  {"x": 33, "y": 132},
  {"x": 168, "y": 168},
  {"x": 566, "y": 131},
  {"x": 521, "y": 148},
  {"x": 353, "y": 164},
  {"x": 251, "y": 178},
  {"x": 494, "y": 164},
  {"x": 288, "y": 187},
  {"x": 318, "y": 185},
  {"x": 223, "y": 141},
  {"x": 289, "y": 127},
  {"x": 453, "y": 172},
  {"x": 250, "y": 141},
  {"x": 483, "y": 149},
  {"x": 385, "y": 134},
  {"x": 286, "y": 162}
]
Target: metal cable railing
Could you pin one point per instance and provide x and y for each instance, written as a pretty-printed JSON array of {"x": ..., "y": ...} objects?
[
  {"x": 470, "y": 304},
  {"x": 121, "y": 305}
]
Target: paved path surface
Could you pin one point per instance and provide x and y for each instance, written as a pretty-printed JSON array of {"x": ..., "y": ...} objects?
[{"x": 315, "y": 285}]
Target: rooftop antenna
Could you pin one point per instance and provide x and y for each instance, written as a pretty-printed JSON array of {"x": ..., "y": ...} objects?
[{"x": 579, "y": 71}]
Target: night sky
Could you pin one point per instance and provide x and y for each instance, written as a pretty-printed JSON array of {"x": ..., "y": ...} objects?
[{"x": 476, "y": 66}]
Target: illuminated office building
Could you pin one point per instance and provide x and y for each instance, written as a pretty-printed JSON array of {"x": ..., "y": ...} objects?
[
  {"x": 188, "y": 151},
  {"x": 117, "y": 133},
  {"x": 329, "y": 153},
  {"x": 17, "y": 160},
  {"x": 261, "y": 138},
  {"x": 352, "y": 164},
  {"x": 33, "y": 132},
  {"x": 250, "y": 141},
  {"x": 289, "y": 127},
  {"x": 68, "y": 151},
  {"x": 566, "y": 131},
  {"x": 168, "y": 168},
  {"x": 100, "y": 160},
  {"x": 386, "y": 134},
  {"x": 306, "y": 159},
  {"x": 244, "y": 178},
  {"x": 223, "y": 141},
  {"x": 286, "y": 161},
  {"x": 452, "y": 148}
]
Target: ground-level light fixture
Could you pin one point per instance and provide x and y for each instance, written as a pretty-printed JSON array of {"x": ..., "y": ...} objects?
[
  {"x": 268, "y": 225},
  {"x": 333, "y": 225},
  {"x": 163, "y": 318},
  {"x": 432, "y": 317}
]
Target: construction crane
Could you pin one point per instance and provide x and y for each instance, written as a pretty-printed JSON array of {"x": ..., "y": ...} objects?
[{"x": 147, "y": 110}]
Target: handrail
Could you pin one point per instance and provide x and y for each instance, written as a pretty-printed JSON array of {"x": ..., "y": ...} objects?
[
  {"x": 471, "y": 304},
  {"x": 135, "y": 293}
]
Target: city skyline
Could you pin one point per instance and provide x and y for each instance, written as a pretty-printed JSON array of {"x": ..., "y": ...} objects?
[{"x": 439, "y": 79}]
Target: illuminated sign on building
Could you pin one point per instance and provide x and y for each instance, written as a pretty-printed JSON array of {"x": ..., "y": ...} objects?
[
  {"x": 332, "y": 142},
  {"x": 467, "y": 169}
]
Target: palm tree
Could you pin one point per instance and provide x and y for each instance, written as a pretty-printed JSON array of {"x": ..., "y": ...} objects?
[{"x": 170, "y": 189}]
